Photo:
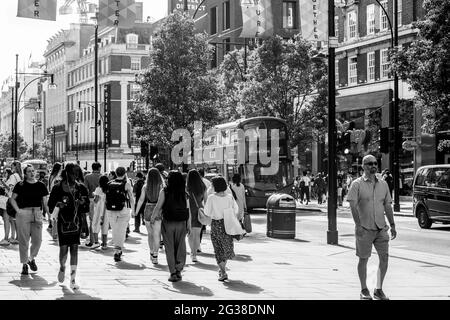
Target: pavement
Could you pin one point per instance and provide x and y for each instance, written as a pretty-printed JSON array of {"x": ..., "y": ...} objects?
[{"x": 264, "y": 268}]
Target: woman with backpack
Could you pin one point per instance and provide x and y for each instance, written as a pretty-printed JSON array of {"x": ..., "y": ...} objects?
[
  {"x": 197, "y": 192},
  {"x": 215, "y": 207},
  {"x": 66, "y": 199},
  {"x": 28, "y": 198},
  {"x": 149, "y": 196},
  {"x": 176, "y": 222}
]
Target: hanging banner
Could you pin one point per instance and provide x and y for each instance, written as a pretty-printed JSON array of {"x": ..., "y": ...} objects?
[
  {"x": 117, "y": 13},
  {"x": 37, "y": 9},
  {"x": 257, "y": 19},
  {"x": 314, "y": 20}
]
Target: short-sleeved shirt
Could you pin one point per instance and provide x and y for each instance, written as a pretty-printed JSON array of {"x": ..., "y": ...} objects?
[
  {"x": 30, "y": 194},
  {"x": 91, "y": 181},
  {"x": 371, "y": 199},
  {"x": 307, "y": 180}
]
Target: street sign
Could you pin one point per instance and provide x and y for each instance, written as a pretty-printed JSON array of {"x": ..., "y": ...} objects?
[{"x": 410, "y": 145}]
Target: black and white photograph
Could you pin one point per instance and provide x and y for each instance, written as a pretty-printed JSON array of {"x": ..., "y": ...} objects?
[{"x": 224, "y": 157}]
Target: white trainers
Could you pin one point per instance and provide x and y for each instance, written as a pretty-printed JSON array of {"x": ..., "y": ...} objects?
[
  {"x": 13, "y": 241},
  {"x": 95, "y": 245},
  {"x": 74, "y": 285},
  {"x": 4, "y": 242}
]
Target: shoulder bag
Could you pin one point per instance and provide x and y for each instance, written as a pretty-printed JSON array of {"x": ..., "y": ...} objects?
[
  {"x": 202, "y": 217},
  {"x": 231, "y": 222},
  {"x": 70, "y": 227}
]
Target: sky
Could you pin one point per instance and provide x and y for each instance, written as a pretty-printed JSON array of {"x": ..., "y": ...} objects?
[{"x": 29, "y": 36}]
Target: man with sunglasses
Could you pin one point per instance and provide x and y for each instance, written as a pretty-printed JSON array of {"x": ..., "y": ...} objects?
[{"x": 370, "y": 200}]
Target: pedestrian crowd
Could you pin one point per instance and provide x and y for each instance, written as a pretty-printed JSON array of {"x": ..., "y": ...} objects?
[{"x": 174, "y": 207}]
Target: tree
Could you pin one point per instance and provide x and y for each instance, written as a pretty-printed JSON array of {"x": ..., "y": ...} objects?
[
  {"x": 5, "y": 145},
  {"x": 42, "y": 150},
  {"x": 425, "y": 65},
  {"x": 177, "y": 88},
  {"x": 281, "y": 77}
]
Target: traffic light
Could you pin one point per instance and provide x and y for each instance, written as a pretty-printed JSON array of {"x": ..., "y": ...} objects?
[
  {"x": 144, "y": 148},
  {"x": 386, "y": 138}
]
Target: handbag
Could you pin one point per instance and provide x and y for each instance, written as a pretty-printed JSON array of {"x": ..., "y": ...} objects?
[
  {"x": 201, "y": 216},
  {"x": 70, "y": 227},
  {"x": 247, "y": 223},
  {"x": 148, "y": 211},
  {"x": 10, "y": 209},
  {"x": 231, "y": 222}
]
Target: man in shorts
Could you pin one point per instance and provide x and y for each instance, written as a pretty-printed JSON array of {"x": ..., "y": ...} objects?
[{"x": 370, "y": 200}]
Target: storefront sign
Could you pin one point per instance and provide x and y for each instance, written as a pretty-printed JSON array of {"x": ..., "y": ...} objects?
[
  {"x": 257, "y": 19},
  {"x": 314, "y": 19}
]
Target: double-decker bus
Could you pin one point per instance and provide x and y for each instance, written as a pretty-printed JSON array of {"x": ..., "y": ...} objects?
[{"x": 259, "y": 185}]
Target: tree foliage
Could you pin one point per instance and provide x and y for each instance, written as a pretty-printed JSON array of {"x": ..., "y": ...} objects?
[
  {"x": 177, "y": 88},
  {"x": 425, "y": 65},
  {"x": 5, "y": 145}
]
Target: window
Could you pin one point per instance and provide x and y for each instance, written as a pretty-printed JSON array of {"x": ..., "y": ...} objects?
[
  {"x": 383, "y": 17},
  {"x": 134, "y": 91},
  {"x": 132, "y": 41},
  {"x": 289, "y": 15},
  {"x": 384, "y": 64},
  {"x": 213, "y": 20},
  {"x": 135, "y": 63},
  {"x": 370, "y": 66},
  {"x": 399, "y": 12},
  {"x": 371, "y": 19},
  {"x": 351, "y": 25},
  {"x": 226, "y": 15},
  {"x": 336, "y": 26},
  {"x": 352, "y": 72}
]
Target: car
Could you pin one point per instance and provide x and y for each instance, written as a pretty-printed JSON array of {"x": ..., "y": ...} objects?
[{"x": 431, "y": 195}]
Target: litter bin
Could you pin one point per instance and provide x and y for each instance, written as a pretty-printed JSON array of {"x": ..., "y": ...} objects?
[{"x": 281, "y": 216}]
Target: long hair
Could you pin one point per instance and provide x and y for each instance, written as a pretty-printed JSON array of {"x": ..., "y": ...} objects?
[
  {"x": 103, "y": 183},
  {"x": 69, "y": 174},
  {"x": 56, "y": 168},
  {"x": 194, "y": 183},
  {"x": 78, "y": 173},
  {"x": 17, "y": 168},
  {"x": 176, "y": 186},
  {"x": 154, "y": 183}
]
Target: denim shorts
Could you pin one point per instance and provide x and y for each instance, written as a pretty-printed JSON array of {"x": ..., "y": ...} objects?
[{"x": 378, "y": 238}]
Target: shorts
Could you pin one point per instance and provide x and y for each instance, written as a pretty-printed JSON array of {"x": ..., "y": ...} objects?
[{"x": 379, "y": 239}]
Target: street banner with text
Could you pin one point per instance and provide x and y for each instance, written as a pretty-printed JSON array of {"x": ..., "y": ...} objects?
[
  {"x": 37, "y": 9},
  {"x": 117, "y": 13},
  {"x": 257, "y": 19},
  {"x": 314, "y": 20}
]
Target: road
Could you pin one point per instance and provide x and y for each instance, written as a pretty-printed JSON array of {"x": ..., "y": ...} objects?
[{"x": 313, "y": 226}]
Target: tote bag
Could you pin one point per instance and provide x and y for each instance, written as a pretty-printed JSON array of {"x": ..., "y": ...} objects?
[
  {"x": 202, "y": 217},
  {"x": 231, "y": 222}
]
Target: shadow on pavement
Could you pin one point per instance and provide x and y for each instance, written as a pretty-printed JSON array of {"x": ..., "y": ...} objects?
[
  {"x": 206, "y": 254},
  {"x": 133, "y": 240},
  {"x": 242, "y": 257},
  {"x": 204, "y": 266},
  {"x": 190, "y": 288},
  {"x": 241, "y": 286},
  {"x": 75, "y": 295},
  {"x": 33, "y": 281},
  {"x": 130, "y": 266},
  {"x": 159, "y": 267}
]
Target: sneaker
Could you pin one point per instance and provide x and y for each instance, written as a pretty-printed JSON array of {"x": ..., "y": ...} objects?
[
  {"x": 32, "y": 265},
  {"x": 378, "y": 294},
  {"x": 61, "y": 275},
  {"x": 154, "y": 258},
  {"x": 24, "y": 270},
  {"x": 4, "y": 242},
  {"x": 88, "y": 244},
  {"x": 173, "y": 278},
  {"x": 104, "y": 246},
  {"x": 14, "y": 241},
  {"x": 118, "y": 256},
  {"x": 74, "y": 285},
  {"x": 95, "y": 245},
  {"x": 223, "y": 276},
  {"x": 365, "y": 294},
  {"x": 194, "y": 258}
]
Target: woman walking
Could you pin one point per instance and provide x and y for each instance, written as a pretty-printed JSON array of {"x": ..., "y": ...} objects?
[
  {"x": 176, "y": 223},
  {"x": 150, "y": 192},
  {"x": 55, "y": 177},
  {"x": 68, "y": 196},
  {"x": 215, "y": 207},
  {"x": 239, "y": 190},
  {"x": 14, "y": 175},
  {"x": 197, "y": 192},
  {"x": 27, "y": 199},
  {"x": 100, "y": 220}
]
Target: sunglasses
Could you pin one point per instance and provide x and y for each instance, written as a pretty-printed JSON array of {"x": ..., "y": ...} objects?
[{"x": 371, "y": 164}]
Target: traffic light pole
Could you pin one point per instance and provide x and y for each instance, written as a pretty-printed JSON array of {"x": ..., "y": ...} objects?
[
  {"x": 397, "y": 142},
  {"x": 332, "y": 233}
]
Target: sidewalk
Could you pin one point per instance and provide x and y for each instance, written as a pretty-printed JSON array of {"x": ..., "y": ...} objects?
[{"x": 264, "y": 268}]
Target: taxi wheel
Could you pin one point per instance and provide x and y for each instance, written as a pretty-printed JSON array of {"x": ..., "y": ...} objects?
[{"x": 423, "y": 219}]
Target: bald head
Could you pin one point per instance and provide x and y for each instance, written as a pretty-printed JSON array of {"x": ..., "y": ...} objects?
[
  {"x": 368, "y": 158},
  {"x": 370, "y": 165}
]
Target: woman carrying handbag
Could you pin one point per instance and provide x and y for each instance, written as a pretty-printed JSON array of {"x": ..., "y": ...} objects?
[
  {"x": 219, "y": 206},
  {"x": 66, "y": 200}
]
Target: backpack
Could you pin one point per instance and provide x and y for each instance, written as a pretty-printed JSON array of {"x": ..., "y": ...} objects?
[{"x": 116, "y": 195}]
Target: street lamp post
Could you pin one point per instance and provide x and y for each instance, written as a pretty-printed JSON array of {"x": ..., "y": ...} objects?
[
  {"x": 33, "y": 123},
  {"x": 96, "y": 91},
  {"x": 52, "y": 133},
  {"x": 395, "y": 120},
  {"x": 12, "y": 122},
  {"x": 97, "y": 123}
]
